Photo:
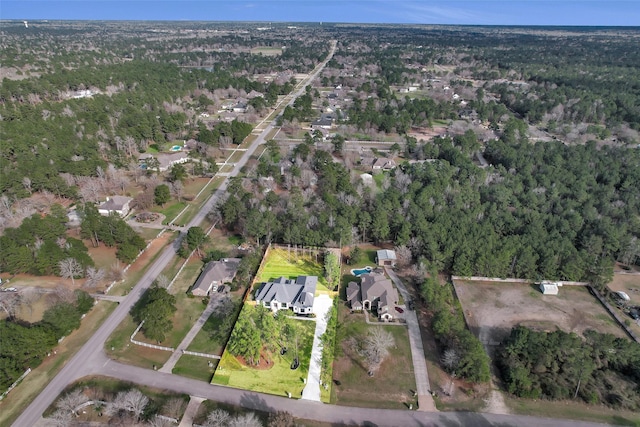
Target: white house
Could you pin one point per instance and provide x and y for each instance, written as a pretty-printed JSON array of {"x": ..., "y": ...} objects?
[
  {"x": 117, "y": 204},
  {"x": 284, "y": 294}
]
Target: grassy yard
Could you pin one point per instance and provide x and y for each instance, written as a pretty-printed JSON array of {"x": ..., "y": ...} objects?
[
  {"x": 195, "y": 367},
  {"x": 170, "y": 211},
  {"x": 204, "y": 342},
  {"x": 277, "y": 378},
  {"x": 119, "y": 348},
  {"x": 21, "y": 396},
  {"x": 281, "y": 262},
  {"x": 390, "y": 387}
]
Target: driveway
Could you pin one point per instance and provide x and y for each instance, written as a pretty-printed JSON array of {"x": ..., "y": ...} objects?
[
  {"x": 425, "y": 400},
  {"x": 321, "y": 307}
]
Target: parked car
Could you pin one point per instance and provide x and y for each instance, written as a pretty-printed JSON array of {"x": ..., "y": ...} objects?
[
  {"x": 399, "y": 310},
  {"x": 221, "y": 289}
]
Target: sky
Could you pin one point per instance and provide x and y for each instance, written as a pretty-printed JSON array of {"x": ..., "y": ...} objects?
[{"x": 474, "y": 12}]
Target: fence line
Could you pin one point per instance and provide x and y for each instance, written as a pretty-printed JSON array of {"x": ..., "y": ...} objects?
[
  {"x": 196, "y": 353},
  {"x": 615, "y": 315},
  {"x": 12, "y": 386},
  {"x": 144, "y": 344},
  {"x": 112, "y": 284},
  {"x": 526, "y": 281}
]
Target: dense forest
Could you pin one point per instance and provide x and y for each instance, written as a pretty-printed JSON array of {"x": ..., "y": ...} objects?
[
  {"x": 26, "y": 345},
  {"x": 557, "y": 365}
]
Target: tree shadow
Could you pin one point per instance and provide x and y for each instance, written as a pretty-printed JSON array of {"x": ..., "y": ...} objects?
[{"x": 255, "y": 401}]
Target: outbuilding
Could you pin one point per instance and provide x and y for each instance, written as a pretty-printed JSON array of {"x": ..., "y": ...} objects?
[{"x": 548, "y": 288}]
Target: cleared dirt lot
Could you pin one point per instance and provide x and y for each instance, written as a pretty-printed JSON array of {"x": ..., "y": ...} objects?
[
  {"x": 629, "y": 283},
  {"x": 492, "y": 309}
]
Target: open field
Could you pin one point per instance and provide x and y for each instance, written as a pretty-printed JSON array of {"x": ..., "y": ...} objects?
[
  {"x": 21, "y": 396},
  {"x": 493, "y": 309},
  {"x": 266, "y": 51},
  {"x": 276, "y": 378},
  {"x": 281, "y": 262},
  {"x": 392, "y": 385}
]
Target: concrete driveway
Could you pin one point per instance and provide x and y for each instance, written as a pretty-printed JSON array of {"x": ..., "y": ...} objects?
[{"x": 321, "y": 307}]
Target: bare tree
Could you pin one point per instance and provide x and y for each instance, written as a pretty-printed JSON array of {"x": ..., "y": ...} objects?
[
  {"x": 163, "y": 281},
  {"x": 60, "y": 418},
  {"x": 246, "y": 420},
  {"x": 10, "y": 302},
  {"x": 218, "y": 418},
  {"x": 28, "y": 297},
  {"x": 158, "y": 421},
  {"x": 26, "y": 182},
  {"x": 94, "y": 277},
  {"x": 64, "y": 294},
  {"x": 174, "y": 407},
  {"x": 450, "y": 359},
  {"x": 129, "y": 401},
  {"x": 376, "y": 348},
  {"x": 69, "y": 269},
  {"x": 177, "y": 189},
  {"x": 70, "y": 401},
  {"x": 281, "y": 419},
  {"x": 403, "y": 256},
  {"x": 116, "y": 272}
]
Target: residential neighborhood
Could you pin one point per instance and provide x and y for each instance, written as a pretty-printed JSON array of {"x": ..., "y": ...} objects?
[{"x": 211, "y": 223}]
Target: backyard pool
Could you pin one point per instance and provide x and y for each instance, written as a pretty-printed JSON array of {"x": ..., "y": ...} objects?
[
  {"x": 361, "y": 271},
  {"x": 176, "y": 148}
]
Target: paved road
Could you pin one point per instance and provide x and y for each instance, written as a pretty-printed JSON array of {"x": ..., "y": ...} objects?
[
  {"x": 89, "y": 358},
  {"x": 425, "y": 400},
  {"x": 338, "y": 415}
]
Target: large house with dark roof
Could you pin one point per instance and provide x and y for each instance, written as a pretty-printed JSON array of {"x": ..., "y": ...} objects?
[
  {"x": 376, "y": 291},
  {"x": 214, "y": 275},
  {"x": 288, "y": 294}
]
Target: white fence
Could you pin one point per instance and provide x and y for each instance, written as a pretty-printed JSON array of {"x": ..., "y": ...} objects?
[
  {"x": 144, "y": 344},
  {"x": 3, "y": 395}
]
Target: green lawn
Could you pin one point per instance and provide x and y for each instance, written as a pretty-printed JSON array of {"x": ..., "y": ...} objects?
[
  {"x": 205, "y": 341},
  {"x": 392, "y": 384},
  {"x": 118, "y": 347},
  {"x": 281, "y": 262},
  {"x": 277, "y": 378},
  {"x": 195, "y": 367},
  {"x": 170, "y": 211}
]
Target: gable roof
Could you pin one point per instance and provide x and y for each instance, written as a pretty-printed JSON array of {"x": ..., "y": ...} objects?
[
  {"x": 353, "y": 292},
  {"x": 115, "y": 203},
  {"x": 217, "y": 272},
  {"x": 386, "y": 254},
  {"x": 377, "y": 286},
  {"x": 298, "y": 293}
]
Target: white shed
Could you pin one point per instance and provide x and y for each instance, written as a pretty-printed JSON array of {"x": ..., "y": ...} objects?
[{"x": 548, "y": 288}]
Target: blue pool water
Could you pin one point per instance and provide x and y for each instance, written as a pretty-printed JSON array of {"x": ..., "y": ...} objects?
[
  {"x": 361, "y": 271},
  {"x": 176, "y": 148}
]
